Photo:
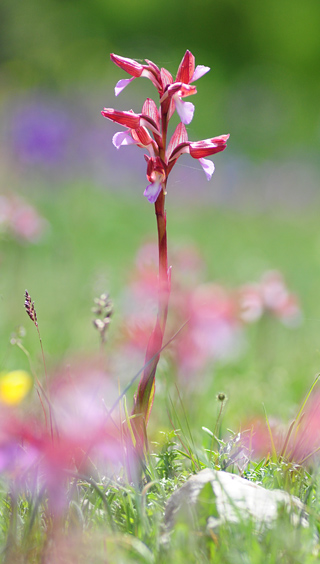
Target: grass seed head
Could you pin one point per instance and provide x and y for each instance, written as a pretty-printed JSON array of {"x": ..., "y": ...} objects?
[
  {"x": 30, "y": 309},
  {"x": 103, "y": 311}
]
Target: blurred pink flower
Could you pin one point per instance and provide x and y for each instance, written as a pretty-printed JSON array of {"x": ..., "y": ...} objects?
[
  {"x": 270, "y": 295},
  {"x": 15, "y": 458},
  {"x": 137, "y": 331},
  {"x": 216, "y": 316},
  {"x": 278, "y": 300},
  {"x": 301, "y": 445},
  {"x": 84, "y": 436},
  {"x": 256, "y": 437},
  {"x": 213, "y": 331},
  {"x": 304, "y": 444},
  {"x": 21, "y": 219},
  {"x": 140, "y": 300},
  {"x": 147, "y": 257},
  {"x": 251, "y": 303}
]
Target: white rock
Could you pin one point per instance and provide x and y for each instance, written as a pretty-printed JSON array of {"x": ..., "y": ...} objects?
[{"x": 236, "y": 499}]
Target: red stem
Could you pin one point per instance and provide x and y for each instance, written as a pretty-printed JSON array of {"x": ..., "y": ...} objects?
[
  {"x": 145, "y": 393},
  {"x": 143, "y": 400}
]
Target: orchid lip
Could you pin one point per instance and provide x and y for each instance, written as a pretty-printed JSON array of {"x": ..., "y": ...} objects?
[
  {"x": 121, "y": 85},
  {"x": 152, "y": 191},
  {"x": 185, "y": 110},
  {"x": 122, "y": 138},
  {"x": 208, "y": 167},
  {"x": 200, "y": 71}
]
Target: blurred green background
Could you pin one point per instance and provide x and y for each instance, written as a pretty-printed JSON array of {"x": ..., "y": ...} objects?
[
  {"x": 260, "y": 210},
  {"x": 265, "y": 57}
]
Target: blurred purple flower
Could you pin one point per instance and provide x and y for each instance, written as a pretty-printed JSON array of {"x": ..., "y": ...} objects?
[{"x": 41, "y": 133}]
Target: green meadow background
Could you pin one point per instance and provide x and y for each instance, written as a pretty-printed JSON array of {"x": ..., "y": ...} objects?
[{"x": 259, "y": 212}]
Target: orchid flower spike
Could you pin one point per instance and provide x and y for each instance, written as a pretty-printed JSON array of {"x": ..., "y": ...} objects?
[{"x": 149, "y": 128}]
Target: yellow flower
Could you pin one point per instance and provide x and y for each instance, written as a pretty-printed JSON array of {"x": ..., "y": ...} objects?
[{"x": 14, "y": 386}]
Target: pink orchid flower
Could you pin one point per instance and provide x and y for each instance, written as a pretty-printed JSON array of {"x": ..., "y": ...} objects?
[
  {"x": 149, "y": 129},
  {"x": 137, "y": 133},
  {"x": 130, "y": 119},
  {"x": 150, "y": 70},
  {"x": 179, "y": 144},
  {"x": 163, "y": 81},
  {"x": 156, "y": 175}
]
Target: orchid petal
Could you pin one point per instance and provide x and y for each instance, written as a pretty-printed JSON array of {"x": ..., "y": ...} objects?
[
  {"x": 206, "y": 147},
  {"x": 150, "y": 109},
  {"x": 180, "y": 136},
  {"x": 199, "y": 72},
  {"x": 185, "y": 110},
  {"x": 128, "y": 119},
  {"x": 122, "y": 138},
  {"x": 121, "y": 84},
  {"x": 186, "y": 67},
  {"x": 166, "y": 78},
  {"x": 152, "y": 191},
  {"x": 208, "y": 167},
  {"x": 141, "y": 136},
  {"x": 148, "y": 122},
  {"x": 129, "y": 65}
]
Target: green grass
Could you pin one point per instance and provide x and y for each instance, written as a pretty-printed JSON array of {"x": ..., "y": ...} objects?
[
  {"x": 114, "y": 521},
  {"x": 90, "y": 248}
]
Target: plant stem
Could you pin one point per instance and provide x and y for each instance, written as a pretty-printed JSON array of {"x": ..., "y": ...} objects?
[
  {"x": 146, "y": 388},
  {"x": 144, "y": 397}
]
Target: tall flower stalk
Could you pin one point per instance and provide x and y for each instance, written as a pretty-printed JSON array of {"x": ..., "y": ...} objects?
[{"x": 149, "y": 131}]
